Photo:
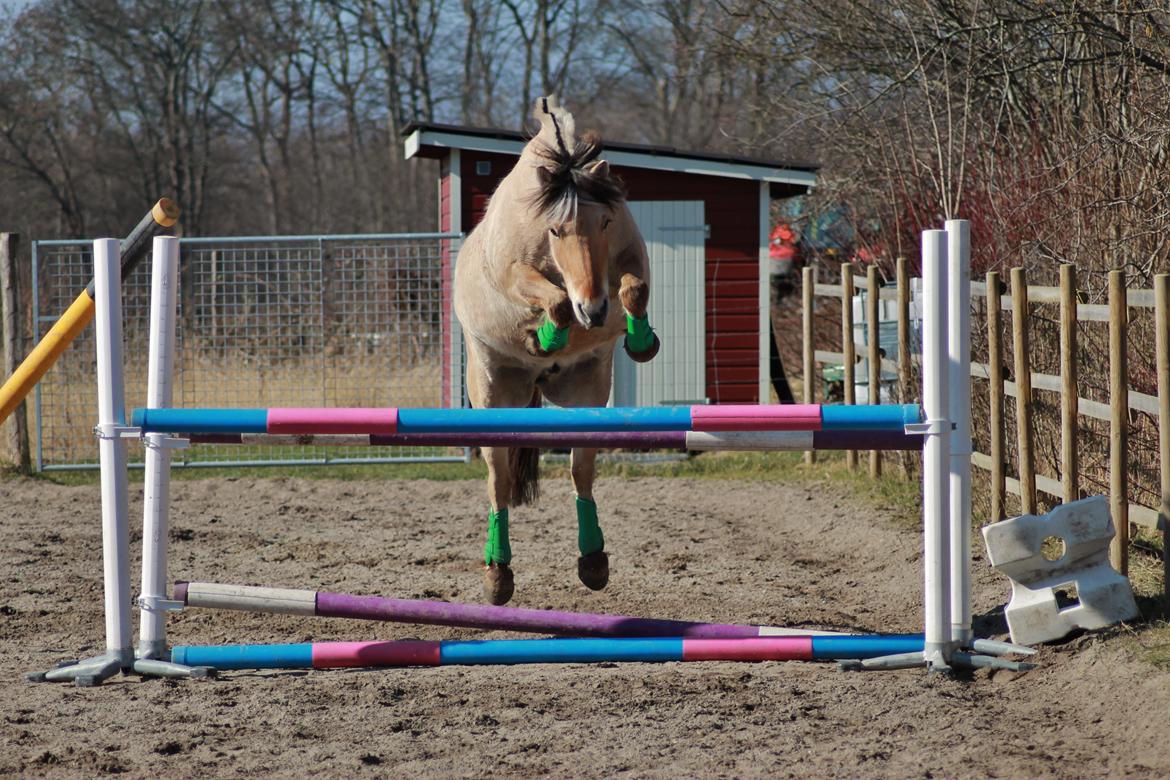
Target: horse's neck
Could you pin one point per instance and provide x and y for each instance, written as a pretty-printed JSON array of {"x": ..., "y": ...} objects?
[{"x": 511, "y": 232}]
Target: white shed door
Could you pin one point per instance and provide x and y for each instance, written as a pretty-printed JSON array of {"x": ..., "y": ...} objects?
[{"x": 675, "y": 236}]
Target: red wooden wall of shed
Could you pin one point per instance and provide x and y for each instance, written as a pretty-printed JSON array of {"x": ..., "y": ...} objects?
[{"x": 731, "y": 208}]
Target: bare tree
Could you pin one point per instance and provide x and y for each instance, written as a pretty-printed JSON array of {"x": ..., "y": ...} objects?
[
  {"x": 550, "y": 33},
  {"x": 683, "y": 85},
  {"x": 35, "y": 136},
  {"x": 161, "y": 62}
]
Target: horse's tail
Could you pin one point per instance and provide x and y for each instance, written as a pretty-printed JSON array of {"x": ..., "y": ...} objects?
[{"x": 526, "y": 467}]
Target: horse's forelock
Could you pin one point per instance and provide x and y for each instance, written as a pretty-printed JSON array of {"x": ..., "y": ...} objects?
[{"x": 568, "y": 182}]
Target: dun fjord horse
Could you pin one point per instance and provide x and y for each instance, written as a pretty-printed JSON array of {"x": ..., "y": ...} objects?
[{"x": 535, "y": 285}]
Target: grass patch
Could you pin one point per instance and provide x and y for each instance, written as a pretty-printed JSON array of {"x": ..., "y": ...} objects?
[
  {"x": 1147, "y": 549},
  {"x": 442, "y": 472},
  {"x": 1154, "y": 644}
]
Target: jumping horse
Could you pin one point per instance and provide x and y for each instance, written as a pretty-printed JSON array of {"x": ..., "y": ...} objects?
[{"x": 535, "y": 283}]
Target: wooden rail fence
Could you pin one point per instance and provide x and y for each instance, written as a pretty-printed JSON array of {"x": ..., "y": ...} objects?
[{"x": 1123, "y": 405}]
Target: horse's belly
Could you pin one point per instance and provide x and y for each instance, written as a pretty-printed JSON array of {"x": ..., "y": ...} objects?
[
  {"x": 503, "y": 325},
  {"x": 508, "y": 337}
]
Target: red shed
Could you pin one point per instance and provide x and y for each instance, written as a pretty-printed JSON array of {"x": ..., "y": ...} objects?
[{"x": 705, "y": 220}]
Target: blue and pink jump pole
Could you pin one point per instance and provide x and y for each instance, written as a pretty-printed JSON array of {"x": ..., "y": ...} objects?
[
  {"x": 348, "y": 655},
  {"x": 889, "y": 419},
  {"x": 940, "y": 428}
]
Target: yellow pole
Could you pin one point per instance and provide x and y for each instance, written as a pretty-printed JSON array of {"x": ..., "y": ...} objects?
[{"x": 162, "y": 216}]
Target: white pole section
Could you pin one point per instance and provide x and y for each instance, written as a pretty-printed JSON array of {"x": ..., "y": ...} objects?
[
  {"x": 765, "y": 290},
  {"x": 112, "y": 448},
  {"x": 936, "y": 453},
  {"x": 156, "y": 493},
  {"x": 959, "y": 339}
]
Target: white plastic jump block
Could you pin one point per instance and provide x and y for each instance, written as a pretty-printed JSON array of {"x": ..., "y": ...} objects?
[{"x": 1033, "y": 614}]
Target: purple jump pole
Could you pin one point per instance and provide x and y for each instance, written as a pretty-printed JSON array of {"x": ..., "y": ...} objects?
[
  {"x": 647, "y": 440},
  {"x": 442, "y": 613},
  {"x": 866, "y": 440}
]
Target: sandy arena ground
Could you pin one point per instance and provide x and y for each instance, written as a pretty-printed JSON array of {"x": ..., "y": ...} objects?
[{"x": 694, "y": 549}]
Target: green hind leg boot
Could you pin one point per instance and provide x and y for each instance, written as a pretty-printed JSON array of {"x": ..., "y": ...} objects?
[
  {"x": 498, "y": 584},
  {"x": 593, "y": 564}
]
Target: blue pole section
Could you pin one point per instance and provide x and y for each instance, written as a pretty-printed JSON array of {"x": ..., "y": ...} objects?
[
  {"x": 829, "y": 648},
  {"x": 885, "y": 417},
  {"x": 296, "y": 656},
  {"x": 529, "y": 651},
  {"x": 667, "y": 418},
  {"x": 201, "y": 420}
]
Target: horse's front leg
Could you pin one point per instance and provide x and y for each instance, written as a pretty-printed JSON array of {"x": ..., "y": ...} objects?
[
  {"x": 641, "y": 342},
  {"x": 529, "y": 285},
  {"x": 586, "y": 384}
]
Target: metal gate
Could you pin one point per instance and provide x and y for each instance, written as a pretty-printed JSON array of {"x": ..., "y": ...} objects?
[{"x": 351, "y": 320}]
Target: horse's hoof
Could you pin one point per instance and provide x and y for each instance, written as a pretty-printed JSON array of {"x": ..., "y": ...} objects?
[
  {"x": 643, "y": 357},
  {"x": 593, "y": 570},
  {"x": 498, "y": 584},
  {"x": 532, "y": 345}
]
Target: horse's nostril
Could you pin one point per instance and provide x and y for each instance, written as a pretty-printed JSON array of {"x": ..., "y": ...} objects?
[
  {"x": 597, "y": 317},
  {"x": 592, "y": 314}
]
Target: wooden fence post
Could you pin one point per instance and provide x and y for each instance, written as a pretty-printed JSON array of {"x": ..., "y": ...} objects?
[
  {"x": 1118, "y": 422},
  {"x": 875, "y": 358},
  {"x": 1023, "y": 372},
  {"x": 996, "y": 397},
  {"x": 1069, "y": 402},
  {"x": 810, "y": 396},
  {"x": 905, "y": 389},
  {"x": 848, "y": 351},
  {"x": 13, "y": 345},
  {"x": 1162, "y": 346}
]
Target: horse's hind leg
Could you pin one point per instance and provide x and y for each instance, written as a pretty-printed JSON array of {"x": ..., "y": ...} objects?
[
  {"x": 586, "y": 384},
  {"x": 498, "y": 583},
  {"x": 489, "y": 387}
]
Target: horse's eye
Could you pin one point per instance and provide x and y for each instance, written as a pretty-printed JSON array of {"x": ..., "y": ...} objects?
[
  {"x": 556, "y": 233},
  {"x": 606, "y": 223}
]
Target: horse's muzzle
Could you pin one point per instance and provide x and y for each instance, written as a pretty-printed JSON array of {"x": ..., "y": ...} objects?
[{"x": 592, "y": 313}]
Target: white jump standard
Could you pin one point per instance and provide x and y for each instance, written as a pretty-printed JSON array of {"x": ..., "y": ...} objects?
[{"x": 112, "y": 433}]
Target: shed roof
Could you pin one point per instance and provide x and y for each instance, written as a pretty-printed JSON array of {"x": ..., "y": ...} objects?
[{"x": 426, "y": 139}]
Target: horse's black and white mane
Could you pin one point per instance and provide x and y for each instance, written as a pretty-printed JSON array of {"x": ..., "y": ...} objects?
[{"x": 565, "y": 181}]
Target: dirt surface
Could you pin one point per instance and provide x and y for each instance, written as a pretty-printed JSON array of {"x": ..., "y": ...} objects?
[{"x": 693, "y": 549}]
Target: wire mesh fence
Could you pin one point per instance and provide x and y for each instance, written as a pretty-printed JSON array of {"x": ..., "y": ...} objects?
[{"x": 352, "y": 320}]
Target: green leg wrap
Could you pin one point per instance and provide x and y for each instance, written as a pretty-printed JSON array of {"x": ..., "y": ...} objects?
[
  {"x": 551, "y": 337},
  {"x": 639, "y": 335},
  {"x": 497, "y": 549},
  {"x": 589, "y": 538}
]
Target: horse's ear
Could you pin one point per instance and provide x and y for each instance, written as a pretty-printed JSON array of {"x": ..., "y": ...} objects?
[{"x": 599, "y": 169}]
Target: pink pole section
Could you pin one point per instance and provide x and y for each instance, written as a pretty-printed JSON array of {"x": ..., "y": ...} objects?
[
  {"x": 773, "y": 417},
  {"x": 350, "y": 655},
  {"x": 308, "y": 421},
  {"x": 772, "y": 648}
]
